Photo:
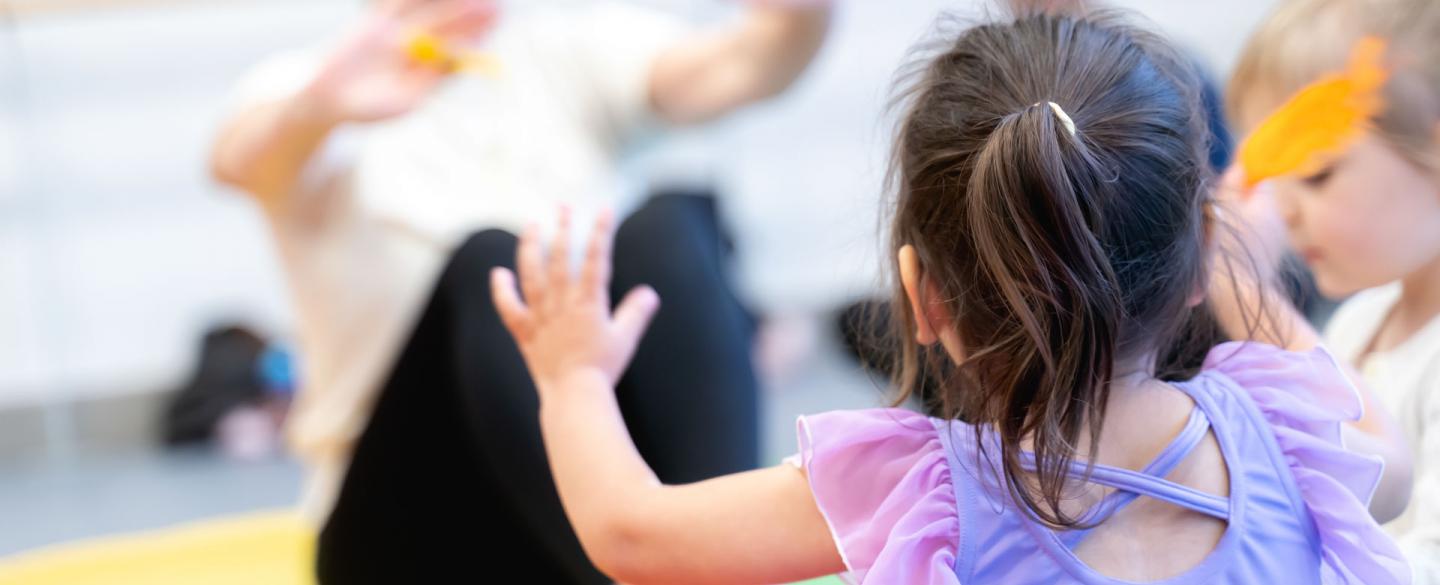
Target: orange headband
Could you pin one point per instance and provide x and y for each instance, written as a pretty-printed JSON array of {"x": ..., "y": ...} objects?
[{"x": 1320, "y": 121}]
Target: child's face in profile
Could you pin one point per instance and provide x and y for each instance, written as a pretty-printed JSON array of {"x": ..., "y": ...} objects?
[{"x": 1368, "y": 219}]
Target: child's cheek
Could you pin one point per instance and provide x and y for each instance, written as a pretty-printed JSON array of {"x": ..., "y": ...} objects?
[{"x": 1340, "y": 249}]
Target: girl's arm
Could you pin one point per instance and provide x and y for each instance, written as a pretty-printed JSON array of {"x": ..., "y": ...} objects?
[
  {"x": 756, "y": 527},
  {"x": 1248, "y": 304}
]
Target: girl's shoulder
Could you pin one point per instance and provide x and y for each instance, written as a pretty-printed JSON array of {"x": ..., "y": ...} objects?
[
  {"x": 1268, "y": 374},
  {"x": 882, "y": 480},
  {"x": 1303, "y": 399},
  {"x": 1298, "y": 396}
]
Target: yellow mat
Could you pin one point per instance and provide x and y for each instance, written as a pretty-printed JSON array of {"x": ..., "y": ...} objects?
[{"x": 275, "y": 548}]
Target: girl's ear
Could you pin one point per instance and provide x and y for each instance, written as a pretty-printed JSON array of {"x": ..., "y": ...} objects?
[{"x": 917, "y": 289}]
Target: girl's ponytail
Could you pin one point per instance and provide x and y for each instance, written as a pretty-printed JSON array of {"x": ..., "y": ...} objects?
[{"x": 1033, "y": 219}]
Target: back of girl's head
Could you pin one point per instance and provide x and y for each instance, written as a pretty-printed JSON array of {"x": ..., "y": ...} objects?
[
  {"x": 1059, "y": 254},
  {"x": 1302, "y": 40}
]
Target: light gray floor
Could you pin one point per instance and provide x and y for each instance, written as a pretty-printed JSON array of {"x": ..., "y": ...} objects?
[{"x": 45, "y": 503}]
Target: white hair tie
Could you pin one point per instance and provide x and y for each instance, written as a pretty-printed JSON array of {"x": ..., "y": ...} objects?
[{"x": 1064, "y": 118}]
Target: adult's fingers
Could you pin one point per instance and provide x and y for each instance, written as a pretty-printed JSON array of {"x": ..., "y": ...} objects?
[
  {"x": 453, "y": 18},
  {"x": 400, "y": 8}
]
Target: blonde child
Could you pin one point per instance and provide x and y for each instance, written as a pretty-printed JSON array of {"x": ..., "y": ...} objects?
[
  {"x": 1050, "y": 231},
  {"x": 1367, "y": 219}
]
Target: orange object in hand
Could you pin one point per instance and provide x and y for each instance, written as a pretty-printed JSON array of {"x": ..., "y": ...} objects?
[
  {"x": 430, "y": 50},
  {"x": 1320, "y": 121}
]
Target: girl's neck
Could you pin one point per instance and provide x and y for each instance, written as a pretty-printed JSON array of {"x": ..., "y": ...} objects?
[
  {"x": 1132, "y": 373},
  {"x": 1142, "y": 416},
  {"x": 1133, "y": 389}
]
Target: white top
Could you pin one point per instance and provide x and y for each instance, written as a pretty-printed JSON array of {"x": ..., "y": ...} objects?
[
  {"x": 379, "y": 210},
  {"x": 1406, "y": 380}
]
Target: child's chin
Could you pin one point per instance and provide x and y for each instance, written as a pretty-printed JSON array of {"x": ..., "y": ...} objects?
[{"x": 1335, "y": 288}]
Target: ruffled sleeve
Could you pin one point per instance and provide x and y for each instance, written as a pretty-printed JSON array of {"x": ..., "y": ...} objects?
[
  {"x": 1306, "y": 397},
  {"x": 882, "y": 481}
]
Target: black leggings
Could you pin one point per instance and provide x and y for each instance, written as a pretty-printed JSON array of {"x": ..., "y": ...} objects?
[{"x": 450, "y": 483}]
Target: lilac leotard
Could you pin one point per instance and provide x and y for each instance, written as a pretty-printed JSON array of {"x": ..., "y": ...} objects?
[{"x": 910, "y": 500}]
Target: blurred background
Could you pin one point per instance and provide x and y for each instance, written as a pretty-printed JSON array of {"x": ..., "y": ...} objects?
[{"x": 120, "y": 259}]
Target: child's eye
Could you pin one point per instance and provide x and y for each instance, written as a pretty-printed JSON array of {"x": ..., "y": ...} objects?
[{"x": 1318, "y": 180}]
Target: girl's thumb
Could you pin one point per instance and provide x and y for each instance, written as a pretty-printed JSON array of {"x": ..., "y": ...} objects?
[{"x": 635, "y": 312}]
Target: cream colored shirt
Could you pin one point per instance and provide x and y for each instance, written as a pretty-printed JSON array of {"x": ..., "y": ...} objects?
[
  {"x": 1406, "y": 380},
  {"x": 379, "y": 210}
]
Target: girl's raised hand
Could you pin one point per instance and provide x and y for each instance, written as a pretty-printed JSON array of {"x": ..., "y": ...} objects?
[{"x": 564, "y": 325}]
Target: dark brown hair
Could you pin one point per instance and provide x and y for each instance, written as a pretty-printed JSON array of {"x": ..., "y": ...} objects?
[{"x": 1058, "y": 254}]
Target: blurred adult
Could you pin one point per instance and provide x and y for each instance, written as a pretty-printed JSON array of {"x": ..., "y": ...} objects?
[{"x": 393, "y": 186}]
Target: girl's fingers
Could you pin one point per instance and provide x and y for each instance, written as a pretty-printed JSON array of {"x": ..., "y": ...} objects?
[
  {"x": 530, "y": 261},
  {"x": 513, "y": 312},
  {"x": 559, "y": 260},
  {"x": 595, "y": 275}
]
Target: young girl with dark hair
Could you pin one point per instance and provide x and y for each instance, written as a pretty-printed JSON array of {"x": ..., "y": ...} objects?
[{"x": 1054, "y": 235}]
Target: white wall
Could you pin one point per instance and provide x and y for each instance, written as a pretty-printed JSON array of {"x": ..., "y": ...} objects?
[{"x": 115, "y": 249}]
